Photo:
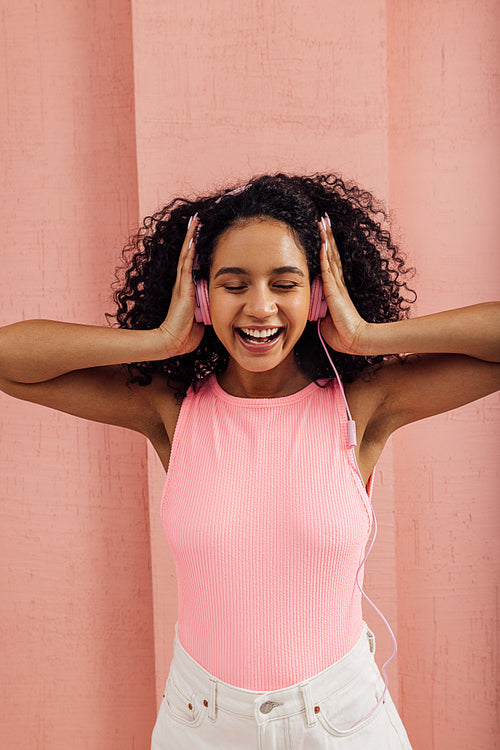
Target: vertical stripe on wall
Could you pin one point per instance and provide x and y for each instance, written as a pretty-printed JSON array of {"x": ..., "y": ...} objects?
[
  {"x": 444, "y": 148},
  {"x": 77, "y": 640}
]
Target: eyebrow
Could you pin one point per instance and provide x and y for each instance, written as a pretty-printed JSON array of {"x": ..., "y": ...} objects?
[{"x": 244, "y": 272}]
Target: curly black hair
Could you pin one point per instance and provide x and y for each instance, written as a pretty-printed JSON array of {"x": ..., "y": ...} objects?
[{"x": 374, "y": 269}]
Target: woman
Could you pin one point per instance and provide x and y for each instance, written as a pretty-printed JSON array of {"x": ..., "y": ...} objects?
[{"x": 270, "y": 461}]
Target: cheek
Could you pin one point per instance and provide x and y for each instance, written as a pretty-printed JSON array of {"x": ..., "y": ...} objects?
[
  {"x": 298, "y": 305},
  {"x": 221, "y": 305},
  {"x": 222, "y": 312}
]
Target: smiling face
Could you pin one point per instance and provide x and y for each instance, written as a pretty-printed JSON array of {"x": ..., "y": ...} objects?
[{"x": 259, "y": 294}]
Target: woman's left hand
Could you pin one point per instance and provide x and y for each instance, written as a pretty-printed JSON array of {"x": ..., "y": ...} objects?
[{"x": 343, "y": 327}]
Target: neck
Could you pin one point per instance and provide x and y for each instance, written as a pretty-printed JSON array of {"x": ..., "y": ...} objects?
[{"x": 281, "y": 381}]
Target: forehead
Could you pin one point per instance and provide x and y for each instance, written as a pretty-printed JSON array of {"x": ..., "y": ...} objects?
[{"x": 258, "y": 240}]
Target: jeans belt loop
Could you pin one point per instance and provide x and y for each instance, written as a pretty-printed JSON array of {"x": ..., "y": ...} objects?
[
  {"x": 308, "y": 703},
  {"x": 212, "y": 701},
  {"x": 371, "y": 641}
]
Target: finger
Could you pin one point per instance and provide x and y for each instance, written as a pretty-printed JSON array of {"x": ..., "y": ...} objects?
[
  {"x": 188, "y": 239},
  {"x": 326, "y": 239},
  {"x": 328, "y": 271},
  {"x": 186, "y": 257},
  {"x": 331, "y": 247},
  {"x": 335, "y": 256},
  {"x": 333, "y": 281},
  {"x": 323, "y": 252},
  {"x": 322, "y": 230}
]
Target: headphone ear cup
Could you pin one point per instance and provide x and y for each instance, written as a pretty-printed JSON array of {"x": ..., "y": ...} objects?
[
  {"x": 201, "y": 306},
  {"x": 318, "y": 307}
]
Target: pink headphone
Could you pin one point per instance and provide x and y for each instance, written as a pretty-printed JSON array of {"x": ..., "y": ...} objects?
[{"x": 317, "y": 308}]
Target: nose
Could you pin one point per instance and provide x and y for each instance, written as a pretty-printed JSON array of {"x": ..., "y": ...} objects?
[{"x": 260, "y": 302}]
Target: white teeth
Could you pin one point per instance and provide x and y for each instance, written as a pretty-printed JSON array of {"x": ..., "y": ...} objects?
[{"x": 260, "y": 334}]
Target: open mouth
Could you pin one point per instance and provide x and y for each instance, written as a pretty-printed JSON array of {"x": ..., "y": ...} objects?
[{"x": 261, "y": 337}]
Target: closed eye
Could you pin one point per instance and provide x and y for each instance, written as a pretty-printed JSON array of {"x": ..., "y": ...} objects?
[{"x": 278, "y": 286}]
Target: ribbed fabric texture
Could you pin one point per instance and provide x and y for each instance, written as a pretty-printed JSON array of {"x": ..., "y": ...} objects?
[{"x": 267, "y": 519}]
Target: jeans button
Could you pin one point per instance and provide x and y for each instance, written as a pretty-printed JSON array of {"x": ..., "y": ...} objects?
[{"x": 268, "y": 706}]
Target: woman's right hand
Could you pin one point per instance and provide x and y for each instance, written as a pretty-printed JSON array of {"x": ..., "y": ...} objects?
[{"x": 180, "y": 332}]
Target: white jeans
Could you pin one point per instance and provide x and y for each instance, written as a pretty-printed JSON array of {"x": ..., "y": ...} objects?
[{"x": 199, "y": 712}]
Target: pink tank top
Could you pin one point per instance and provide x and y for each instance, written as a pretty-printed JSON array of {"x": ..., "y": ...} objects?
[{"x": 267, "y": 518}]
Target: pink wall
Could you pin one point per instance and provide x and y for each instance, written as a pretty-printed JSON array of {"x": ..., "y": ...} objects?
[
  {"x": 444, "y": 184},
  {"x": 77, "y": 638},
  {"x": 399, "y": 96}
]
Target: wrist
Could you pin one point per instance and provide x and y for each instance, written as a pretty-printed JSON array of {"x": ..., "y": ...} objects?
[
  {"x": 377, "y": 339},
  {"x": 161, "y": 344},
  {"x": 368, "y": 339}
]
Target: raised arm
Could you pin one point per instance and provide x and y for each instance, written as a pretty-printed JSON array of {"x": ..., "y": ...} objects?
[
  {"x": 454, "y": 358},
  {"x": 33, "y": 351},
  {"x": 472, "y": 330},
  {"x": 77, "y": 368}
]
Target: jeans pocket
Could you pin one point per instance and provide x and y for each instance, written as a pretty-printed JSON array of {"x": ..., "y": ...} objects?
[
  {"x": 345, "y": 711},
  {"x": 182, "y": 703}
]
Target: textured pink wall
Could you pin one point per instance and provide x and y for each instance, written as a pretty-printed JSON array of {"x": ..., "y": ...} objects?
[
  {"x": 444, "y": 149},
  {"x": 77, "y": 665},
  {"x": 399, "y": 96}
]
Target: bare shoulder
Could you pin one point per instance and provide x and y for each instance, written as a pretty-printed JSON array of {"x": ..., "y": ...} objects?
[
  {"x": 366, "y": 397},
  {"x": 166, "y": 399},
  {"x": 366, "y": 393},
  {"x": 166, "y": 396}
]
